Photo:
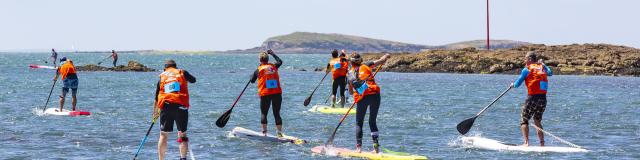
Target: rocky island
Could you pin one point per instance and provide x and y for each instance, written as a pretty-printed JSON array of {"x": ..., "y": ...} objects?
[
  {"x": 575, "y": 59},
  {"x": 132, "y": 66},
  {"x": 308, "y": 42}
]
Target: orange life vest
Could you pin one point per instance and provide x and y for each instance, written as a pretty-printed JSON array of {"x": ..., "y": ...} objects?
[
  {"x": 338, "y": 68},
  {"x": 268, "y": 80},
  {"x": 372, "y": 87},
  {"x": 173, "y": 88},
  {"x": 536, "y": 80},
  {"x": 66, "y": 69}
]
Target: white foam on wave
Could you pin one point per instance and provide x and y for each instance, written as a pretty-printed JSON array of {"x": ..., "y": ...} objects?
[
  {"x": 37, "y": 111},
  {"x": 330, "y": 151},
  {"x": 458, "y": 141}
]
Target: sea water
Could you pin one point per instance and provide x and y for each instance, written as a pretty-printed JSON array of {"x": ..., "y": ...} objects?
[{"x": 418, "y": 114}]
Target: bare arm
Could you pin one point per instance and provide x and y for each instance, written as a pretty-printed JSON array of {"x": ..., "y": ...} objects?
[{"x": 382, "y": 60}]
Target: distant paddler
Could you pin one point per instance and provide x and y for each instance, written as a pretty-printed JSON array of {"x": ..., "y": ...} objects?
[
  {"x": 366, "y": 93},
  {"x": 534, "y": 75},
  {"x": 53, "y": 57},
  {"x": 172, "y": 99},
  {"x": 269, "y": 90},
  {"x": 114, "y": 56},
  {"x": 338, "y": 67}
]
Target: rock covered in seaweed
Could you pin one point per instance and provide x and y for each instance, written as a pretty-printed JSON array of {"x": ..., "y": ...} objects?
[
  {"x": 132, "y": 66},
  {"x": 575, "y": 59}
]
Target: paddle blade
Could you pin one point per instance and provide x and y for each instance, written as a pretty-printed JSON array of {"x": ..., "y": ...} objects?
[
  {"x": 464, "y": 126},
  {"x": 307, "y": 101},
  {"x": 222, "y": 120}
]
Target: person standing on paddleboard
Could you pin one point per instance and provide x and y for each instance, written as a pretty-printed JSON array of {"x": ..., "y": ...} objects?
[
  {"x": 269, "y": 90},
  {"x": 54, "y": 56},
  {"x": 172, "y": 99},
  {"x": 69, "y": 80},
  {"x": 338, "y": 67},
  {"x": 534, "y": 75},
  {"x": 114, "y": 56},
  {"x": 366, "y": 93}
]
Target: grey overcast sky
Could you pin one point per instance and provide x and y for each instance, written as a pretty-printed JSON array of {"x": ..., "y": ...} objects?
[{"x": 240, "y": 24}]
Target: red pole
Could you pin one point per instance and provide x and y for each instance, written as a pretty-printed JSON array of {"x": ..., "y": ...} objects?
[{"x": 488, "y": 48}]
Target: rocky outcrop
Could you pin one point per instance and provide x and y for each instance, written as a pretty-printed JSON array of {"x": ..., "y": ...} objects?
[
  {"x": 132, "y": 66},
  {"x": 575, "y": 59}
]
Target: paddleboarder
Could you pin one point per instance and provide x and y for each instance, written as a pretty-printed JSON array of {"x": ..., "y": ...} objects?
[
  {"x": 338, "y": 67},
  {"x": 69, "y": 80},
  {"x": 172, "y": 99},
  {"x": 366, "y": 93},
  {"x": 534, "y": 75},
  {"x": 269, "y": 90},
  {"x": 54, "y": 56},
  {"x": 114, "y": 56}
]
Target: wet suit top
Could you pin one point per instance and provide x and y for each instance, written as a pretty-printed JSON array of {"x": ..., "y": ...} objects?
[
  {"x": 278, "y": 63},
  {"x": 187, "y": 76}
]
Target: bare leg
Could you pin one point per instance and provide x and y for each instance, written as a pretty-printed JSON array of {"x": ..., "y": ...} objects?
[
  {"x": 333, "y": 100},
  {"x": 162, "y": 145},
  {"x": 539, "y": 132},
  {"x": 264, "y": 129},
  {"x": 525, "y": 133},
  {"x": 61, "y": 103},
  {"x": 184, "y": 145},
  {"x": 74, "y": 101},
  {"x": 279, "y": 128}
]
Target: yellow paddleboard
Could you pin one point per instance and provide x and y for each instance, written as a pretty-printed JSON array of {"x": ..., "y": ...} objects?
[
  {"x": 331, "y": 110},
  {"x": 343, "y": 152}
]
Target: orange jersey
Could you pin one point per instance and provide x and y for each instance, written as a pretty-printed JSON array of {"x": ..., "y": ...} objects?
[
  {"x": 536, "y": 80},
  {"x": 268, "y": 80},
  {"x": 338, "y": 68},
  {"x": 372, "y": 88},
  {"x": 66, "y": 69},
  {"x": 173, "y": 88}
]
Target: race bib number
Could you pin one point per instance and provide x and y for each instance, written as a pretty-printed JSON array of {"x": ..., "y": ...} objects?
[
  {"x": 272, "y": 83},
  {"x": 337, "y": 65},
  {"x": 543, "y": 86},
  {"x": 362, "y": 87},
  {"x": 172, "y": 87}
]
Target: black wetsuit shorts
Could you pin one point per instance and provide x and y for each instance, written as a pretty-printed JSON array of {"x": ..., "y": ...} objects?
[{"x": 174, "y": 113}]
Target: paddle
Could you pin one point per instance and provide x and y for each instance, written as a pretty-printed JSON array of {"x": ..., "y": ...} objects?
[
  {"x": 464, "y": 126},
  {"x": 50, "y": 91},
  {"x": 222, "y": 120},
  {"x": 146, "y": 136},
  {"x": 333, "y": 135},
  {"x": 329, "y": 97},
  {"x": 308, "y": 100},
  {"x": 103, "y": 60}
]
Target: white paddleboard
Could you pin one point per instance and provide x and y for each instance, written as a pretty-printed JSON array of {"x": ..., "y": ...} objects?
[
  {"x": 249, "y": 134},
  {"x": 65, "y": 112},
  {"x": 490, "y": 144},
  {"x": 41, "y": 66}
]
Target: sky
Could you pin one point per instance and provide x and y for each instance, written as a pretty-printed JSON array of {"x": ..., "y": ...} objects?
[{"x": 240, "y": 24}]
